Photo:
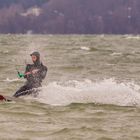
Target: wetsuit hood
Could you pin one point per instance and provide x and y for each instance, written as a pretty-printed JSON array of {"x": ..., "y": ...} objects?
[{"x": 37, "y": 54}]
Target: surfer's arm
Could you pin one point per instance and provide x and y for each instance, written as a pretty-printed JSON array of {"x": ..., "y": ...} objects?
[
  {"x": 27, "y": 71},
  {"x": 43, "y": 72},
  {"x": 33, "y": 72}
]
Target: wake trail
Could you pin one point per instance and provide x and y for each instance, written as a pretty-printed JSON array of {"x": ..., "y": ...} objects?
[{"x": 107, "y": 91}]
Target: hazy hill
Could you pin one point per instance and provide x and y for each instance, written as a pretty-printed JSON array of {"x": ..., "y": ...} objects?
[{"x": 70, "y": 16}]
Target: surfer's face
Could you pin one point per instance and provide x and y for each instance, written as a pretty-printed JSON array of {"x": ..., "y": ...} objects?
[{"x": 34, "y": 58}]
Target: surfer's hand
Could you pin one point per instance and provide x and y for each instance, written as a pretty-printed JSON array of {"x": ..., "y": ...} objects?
[
  {"x": 27, "y": 73},
  {"x": 20, "y": 75},
  {"x": 35, "y": 71},
  {"x": 32, "y": 72}
]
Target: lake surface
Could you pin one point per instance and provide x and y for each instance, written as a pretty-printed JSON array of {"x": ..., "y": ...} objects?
[{"x": 91, "y": 92}]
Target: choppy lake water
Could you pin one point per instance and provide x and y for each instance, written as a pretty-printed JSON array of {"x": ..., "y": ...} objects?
[{"x": 92, "y": 89}]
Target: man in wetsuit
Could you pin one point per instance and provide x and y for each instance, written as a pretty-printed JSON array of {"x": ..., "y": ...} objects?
[{"x": 34, "y": 74}]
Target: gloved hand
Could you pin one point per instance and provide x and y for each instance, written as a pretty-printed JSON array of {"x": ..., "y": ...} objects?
[
  {"x": 35, "y": 71},
  {"x": 20, "y": 75}
]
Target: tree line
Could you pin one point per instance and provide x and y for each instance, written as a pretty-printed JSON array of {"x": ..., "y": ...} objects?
[{"x": 70, "y": 16}]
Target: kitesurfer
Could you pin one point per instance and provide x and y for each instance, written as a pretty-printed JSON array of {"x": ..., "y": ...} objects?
[{"x": 34, "y": 74}]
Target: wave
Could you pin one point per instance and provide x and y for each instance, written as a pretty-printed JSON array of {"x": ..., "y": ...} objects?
[
  {"x": 12, "y": 80},
  {"x": 85, "y": 48},
  {"x": 132, "y": 37},
  {"x": 107, "y": 91},
  {"x": 4, "y": 52},
  {"x": 116, "y": 54}
]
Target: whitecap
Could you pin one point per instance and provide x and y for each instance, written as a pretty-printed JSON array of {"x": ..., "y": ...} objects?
[
  {"x": 107, "y": 91},
  {"x": 11, "y": 80},
  {"x": 85, "y": 48},
  {"x": 115, "y": 54}
]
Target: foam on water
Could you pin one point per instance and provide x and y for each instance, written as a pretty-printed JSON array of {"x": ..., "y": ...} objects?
[
  {"x": 11, "y": 80},
  {"x": 116, "y": 54},
  {"x": 85, "y": 48},
  {"x": 132, "y": 37},
  {"x": 104, "y": 92}
]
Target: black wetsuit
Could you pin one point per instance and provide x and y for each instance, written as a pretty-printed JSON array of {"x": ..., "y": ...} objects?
[{"x": 33, "y": 80}]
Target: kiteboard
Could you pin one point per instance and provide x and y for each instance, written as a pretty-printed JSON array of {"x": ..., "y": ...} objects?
[{"x": 7, "y": 98}]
